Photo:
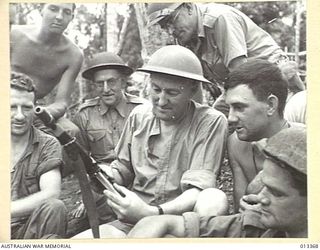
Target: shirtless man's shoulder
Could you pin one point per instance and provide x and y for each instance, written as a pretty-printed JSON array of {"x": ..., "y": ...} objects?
[
  {"x": 46, "y": 64},
  {"x": 241, "y": 153}
]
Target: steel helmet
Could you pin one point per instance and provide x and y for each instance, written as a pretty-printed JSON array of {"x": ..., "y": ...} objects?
[
  {"x": 175, "y": 60},
  {"x": 158, "y": 11},
  {"x": 105, "y": 60}
]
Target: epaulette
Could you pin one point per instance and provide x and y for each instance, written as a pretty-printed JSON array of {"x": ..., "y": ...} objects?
[
  {"x": 134, "y": 99},
  {"x": 89, "y": 103}
]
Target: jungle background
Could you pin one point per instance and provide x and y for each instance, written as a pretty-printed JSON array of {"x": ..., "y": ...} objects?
[{"x": 121, "y": 28}]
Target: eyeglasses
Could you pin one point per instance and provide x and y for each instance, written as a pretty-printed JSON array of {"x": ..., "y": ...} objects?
[{"x": 111, "y": 83}]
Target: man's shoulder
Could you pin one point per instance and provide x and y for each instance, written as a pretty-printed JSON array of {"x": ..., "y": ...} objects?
[
  {"x": 89, "y": 103},
  {"x": 212, "y": 11},
  {"x": 22, "y": 31},
  {"x": 142, "y": 111},
  {"x": 44, "y": 138},
  {"x": 207, "y": 112},
  {"x": 135, "y": 99},
  {"x": 72, "y": 49}
]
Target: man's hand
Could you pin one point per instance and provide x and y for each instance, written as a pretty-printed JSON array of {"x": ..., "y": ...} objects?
[
  {"x": 250, "y": 202},
  {"x": 79, "y": 212},
  {"x": 130, "y": 208},
  {"x": 158, "y": 226}
]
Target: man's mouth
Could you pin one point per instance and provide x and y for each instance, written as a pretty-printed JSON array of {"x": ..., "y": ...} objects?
[
  {"x": 18, "y": 124},
  {"x": 108, "y": 95},
  {"x": 163, "y": 109},
  {"x": 57, "y": 25}
]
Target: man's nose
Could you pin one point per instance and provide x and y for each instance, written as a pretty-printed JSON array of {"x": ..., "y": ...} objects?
[
  {"x": 59, "y": 15},
  {"x": 106, "y": 88},
  {"x": 163, "y": 100},
  {"x": 263, "y": 198},
  {"x": 19, "y": 115},
  {"x": 232, "y": 117}
]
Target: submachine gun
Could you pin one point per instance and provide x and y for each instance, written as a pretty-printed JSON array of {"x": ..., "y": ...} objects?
[{"x": 84, "y": 166}]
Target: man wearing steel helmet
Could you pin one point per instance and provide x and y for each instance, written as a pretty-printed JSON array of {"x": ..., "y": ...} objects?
[
  {"x": 101, "y": 120},
  {"x": 35, "y": 175},
  {"x": 169, "y": 151},
  {"x": 222, "y": 37},
  {"x": 282, "y": 201}
]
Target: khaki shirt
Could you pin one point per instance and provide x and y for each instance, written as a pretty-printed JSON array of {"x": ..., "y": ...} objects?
[
  {"x": 101, "y": 127},
  {"x": 192, "y": 158},
  {"x": 42, "y": 154},
  {"x": 226, "y": 33}
]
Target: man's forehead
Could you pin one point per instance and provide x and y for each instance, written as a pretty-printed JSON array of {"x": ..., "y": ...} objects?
[
  {"x": 240, "y": 93},
  {"x": 62, "y": 5},
  {"x": 20, "y": 94},
  {"x": 107, "y": 73}
]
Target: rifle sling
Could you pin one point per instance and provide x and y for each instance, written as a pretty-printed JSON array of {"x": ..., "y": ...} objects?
[{"x": 87, "y": 196}]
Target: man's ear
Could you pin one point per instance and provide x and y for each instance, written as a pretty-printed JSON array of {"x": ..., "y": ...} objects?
[{"x": 273, "y": 103}]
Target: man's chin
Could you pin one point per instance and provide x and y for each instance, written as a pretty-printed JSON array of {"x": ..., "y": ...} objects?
[
  {"x": 109, "y": 101},
  {"x": 17, "y": 132},
  {"x": 162, "y": 115}
]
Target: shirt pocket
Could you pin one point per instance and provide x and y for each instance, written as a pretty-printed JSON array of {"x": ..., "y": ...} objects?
[
  {"x": 97, "y": 141},
  {"x": 32, "y": 184}
]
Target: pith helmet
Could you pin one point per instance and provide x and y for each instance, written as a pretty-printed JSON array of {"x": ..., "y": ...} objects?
[
  {"x": 158, "y": 11},
  {"x": 175, "y": 60},
  {"x": 289, "y": 146},
  {"x": 105, "y": 60}
]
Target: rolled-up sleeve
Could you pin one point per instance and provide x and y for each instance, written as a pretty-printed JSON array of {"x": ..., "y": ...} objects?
[
  {"x": 207, "y": 153},
  {"x": 51, "y": 156}
]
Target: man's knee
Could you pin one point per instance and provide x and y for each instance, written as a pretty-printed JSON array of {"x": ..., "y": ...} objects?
[
  {"x": 54, "y": 207},
  {"x": 212, "y": 202}
]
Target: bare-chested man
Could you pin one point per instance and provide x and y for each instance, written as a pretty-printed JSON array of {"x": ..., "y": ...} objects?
[
  {"x": 256, "y": 93},
  {"x": 45, "y": 54}
]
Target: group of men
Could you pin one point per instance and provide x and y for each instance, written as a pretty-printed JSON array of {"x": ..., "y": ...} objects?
[{"x": 163, "y": 154}]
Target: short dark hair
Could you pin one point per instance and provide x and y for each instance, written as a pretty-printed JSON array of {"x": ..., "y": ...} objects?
[
  {"x": 21, "y": 81},
  {"x": 263, "y": 78},
  {"x": 43, "y": 4}
]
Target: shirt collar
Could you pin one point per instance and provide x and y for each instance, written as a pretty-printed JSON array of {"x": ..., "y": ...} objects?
[{"x": 121, "y": 107}]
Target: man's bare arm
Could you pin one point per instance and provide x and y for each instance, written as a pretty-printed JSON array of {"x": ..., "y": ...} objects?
[
  {"x": 236, "y": 62},
  {"x": 132, "y": 208},
  {"x": 66, "y": 86},
  {"x": 50, "y": 186}
]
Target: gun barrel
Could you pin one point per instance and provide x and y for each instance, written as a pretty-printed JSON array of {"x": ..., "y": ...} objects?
[{"x": 45, "y": 117}]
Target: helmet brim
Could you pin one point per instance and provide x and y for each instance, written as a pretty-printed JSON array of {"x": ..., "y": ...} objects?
[
  {"x": 173, "y": 72},
  {"x": 88, "y": 73},
  {"x": 154, "y": 18}
]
